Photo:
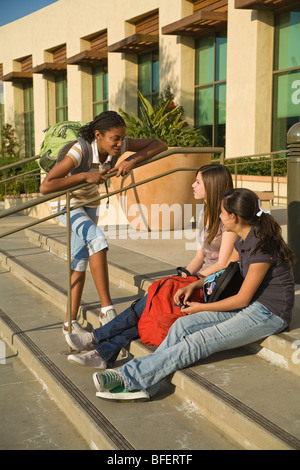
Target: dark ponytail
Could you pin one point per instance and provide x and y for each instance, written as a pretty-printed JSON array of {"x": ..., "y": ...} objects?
[
  {"x": 103, "y": 123},
  {"x": 246, "y": 205}
]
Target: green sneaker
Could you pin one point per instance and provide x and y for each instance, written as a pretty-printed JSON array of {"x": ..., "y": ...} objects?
[
  {"x": 119, "y": 393},
  {"x": 107, "y": 380}
]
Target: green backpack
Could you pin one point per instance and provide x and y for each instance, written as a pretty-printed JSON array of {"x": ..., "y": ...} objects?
[{"x": 59, "y": 138}]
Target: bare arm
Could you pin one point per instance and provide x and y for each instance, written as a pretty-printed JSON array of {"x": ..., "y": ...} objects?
[
  {"x": 144, "y": 149},
  {"x": 57, "y": 178},
  {"x": 226, "y": 250},
  {"x": 226, "y": 257},
  {"x": 252, "y": 281},
  {"x": 196, "y": 263}
]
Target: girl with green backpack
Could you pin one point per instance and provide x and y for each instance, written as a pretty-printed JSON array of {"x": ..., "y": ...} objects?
[{"x": 106, "y": 139}]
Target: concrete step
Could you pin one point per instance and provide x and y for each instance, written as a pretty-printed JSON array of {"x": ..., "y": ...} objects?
[
  {"x": 209, "y": 412},
  {"x": 136, "y": 271},
  {"x": 230, "y": 393},
  {"x": 30, "y": 418},
  {"x": 32, "y": 328}
]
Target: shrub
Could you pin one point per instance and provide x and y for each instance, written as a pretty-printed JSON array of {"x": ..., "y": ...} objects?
[
  {"x": 163, "y": 121},
  {"x": 27, "y": 184},
  {"x": 8, "y": 140},
  {"x": 258, "y": 166}
]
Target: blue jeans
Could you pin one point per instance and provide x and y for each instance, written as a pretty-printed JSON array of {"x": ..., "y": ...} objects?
[
  {"x": 197, "y": 336},
  {"x": 119, "y": 332},
  {"x": 87, "y": 238}
]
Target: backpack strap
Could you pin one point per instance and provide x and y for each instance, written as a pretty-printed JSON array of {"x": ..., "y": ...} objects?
[
  {"x": 181, "y": 270},
  {"x": 87, "y": 157}
]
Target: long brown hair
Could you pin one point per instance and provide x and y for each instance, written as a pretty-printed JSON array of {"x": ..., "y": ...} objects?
[
  {"x": 245, "y": 204},
  {"x": 217, "y": 181}
]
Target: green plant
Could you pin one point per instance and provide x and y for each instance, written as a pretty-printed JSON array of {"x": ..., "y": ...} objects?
[
  {"x": 10, "y": 153},
  {"x": 257, "y": 166},
  {"x": 8, "y": 140},
  {"x": 163, "y": 121},
  {"x": 23, "y": 184}
]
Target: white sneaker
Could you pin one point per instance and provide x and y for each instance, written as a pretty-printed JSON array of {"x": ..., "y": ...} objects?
[
  {"x": 119, "y": 393},
  {"x": 90, "y": 359},
  {"x": 81, "y": 341},
  {"x": 75, "y": 328},
  {"x": 108, "y": 316}
]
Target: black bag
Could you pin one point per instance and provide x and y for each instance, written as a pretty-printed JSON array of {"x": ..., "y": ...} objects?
[{"x": 223, "y": 284}]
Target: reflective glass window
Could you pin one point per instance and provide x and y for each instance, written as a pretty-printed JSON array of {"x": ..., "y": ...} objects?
[
  {"x": 210, "y": 87},
  {"x": 286, "y": 76}
]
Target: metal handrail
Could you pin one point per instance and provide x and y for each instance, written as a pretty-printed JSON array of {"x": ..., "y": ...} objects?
[
  {"x": 20, "y": 162},
  {"x": 42, "y": 199},
  {"x": 236, "y": 163},
  {"x": 166, "y": 153},
  {"x": 11, "y": 178}
]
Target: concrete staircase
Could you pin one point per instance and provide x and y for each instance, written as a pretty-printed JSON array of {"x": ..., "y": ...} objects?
[{"x": 240, "y": 399}]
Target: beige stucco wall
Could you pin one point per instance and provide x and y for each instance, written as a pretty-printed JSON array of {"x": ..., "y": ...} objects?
[
  {"x": 249, "y": 64},
  {"x": 249, "y": 81}
]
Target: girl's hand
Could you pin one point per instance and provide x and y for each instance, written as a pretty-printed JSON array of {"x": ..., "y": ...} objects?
[
  {"x": 96, "y": 177},
  {"x": 192, "y": 307},
  {"x": 123, "y": 168},
  {"x": 183, "y": 294}
]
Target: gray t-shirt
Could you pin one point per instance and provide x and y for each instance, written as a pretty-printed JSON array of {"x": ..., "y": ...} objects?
[{"x": 276, "y": 291}]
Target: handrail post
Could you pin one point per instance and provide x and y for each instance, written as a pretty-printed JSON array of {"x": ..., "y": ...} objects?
[
  {"x": 293, "y": 195},
  {"x": 68, "y": 214}
]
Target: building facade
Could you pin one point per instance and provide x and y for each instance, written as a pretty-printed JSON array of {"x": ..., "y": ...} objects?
[{"x": 234, "y": 66}]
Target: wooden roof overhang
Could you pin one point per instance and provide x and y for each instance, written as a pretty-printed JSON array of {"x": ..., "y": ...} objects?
[
  {"x": 199, "y": 23},
  {"x": 21, "y": 77},
  {"x": 88, "y": 57},
  {"x": 50, "y": 68},
  {"x": 274, "y": 5},
  {"x": 136, "y": 44}
]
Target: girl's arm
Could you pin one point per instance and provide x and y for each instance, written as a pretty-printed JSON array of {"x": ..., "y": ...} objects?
[
  {"x": 252, "y": 281},
  {"x": 57, "y": 178},
  {"x": 195, "y": 264},
  {"x": 227, "y": 253},
  {"x": 144, "y": 149}
]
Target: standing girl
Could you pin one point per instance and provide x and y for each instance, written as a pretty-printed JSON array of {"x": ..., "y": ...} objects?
[
  {"x": 106, "y": 136},
  {"x": 262, "y": 307},
  {"x": 214, "y": 250}
]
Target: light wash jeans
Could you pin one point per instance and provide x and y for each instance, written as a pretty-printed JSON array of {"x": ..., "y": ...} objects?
[
  {"x": 87, "y": 238},
  {"x": 197, "y": 336}
]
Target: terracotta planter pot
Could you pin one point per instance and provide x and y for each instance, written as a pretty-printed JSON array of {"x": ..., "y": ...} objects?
[{"x": 159, "y": 204}]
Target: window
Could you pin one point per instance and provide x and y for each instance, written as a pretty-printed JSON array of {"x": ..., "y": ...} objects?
[
  {"x": 100, "y": 89},
  {"x": 286, "y": 77},
  {"x": 148, "y": 76},
  {"x": 210, "y": 87},
  {"x": 61, "y": 98},
  {"x": 28, "y": 119}
]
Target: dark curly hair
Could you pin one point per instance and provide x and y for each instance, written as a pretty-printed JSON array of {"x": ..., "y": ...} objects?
[{"x": 102, "y": 123}]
